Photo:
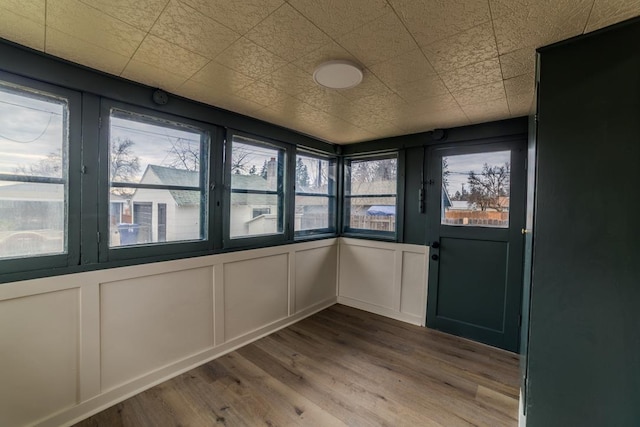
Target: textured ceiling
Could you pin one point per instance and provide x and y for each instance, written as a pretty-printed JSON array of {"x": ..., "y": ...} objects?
[{"x": 427, "y": 63}]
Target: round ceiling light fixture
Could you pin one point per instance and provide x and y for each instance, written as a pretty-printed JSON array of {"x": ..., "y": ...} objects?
[{"x": 338, "y": 75}]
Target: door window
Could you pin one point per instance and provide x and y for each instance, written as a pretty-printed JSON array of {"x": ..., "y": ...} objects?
[{"x": 476, "y": 189}]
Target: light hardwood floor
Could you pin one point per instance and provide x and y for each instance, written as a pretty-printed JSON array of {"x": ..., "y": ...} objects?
[{"x": 339, "y": 367}]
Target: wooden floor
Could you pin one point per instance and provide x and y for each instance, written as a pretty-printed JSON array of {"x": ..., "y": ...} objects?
[{"x": 339, "y": 367}]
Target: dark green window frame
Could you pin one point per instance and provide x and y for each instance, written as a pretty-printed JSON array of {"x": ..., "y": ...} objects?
[
  {"x": 71, "y": 162},
  {"x": 207, "y": 180},
  {"x": 283, "y": 192},
  {"x": 87, "y": 91},
  {"x": 350, "y": 231},
  {"x": 331, "y": 195}
]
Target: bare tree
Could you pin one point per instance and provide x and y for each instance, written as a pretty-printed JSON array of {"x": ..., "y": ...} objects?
[
  {"x": 124, "y": 165},
  {"x": 50, "y": 166},
  {"x": 184, "y": 154},
  {"x": 240, "y": 160},
  {"x": 488, "y": 188}
]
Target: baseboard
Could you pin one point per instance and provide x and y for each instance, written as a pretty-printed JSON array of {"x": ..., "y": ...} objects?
[
  {"x": 116, "y": 395},
  {"x": 382, "y": 311}
]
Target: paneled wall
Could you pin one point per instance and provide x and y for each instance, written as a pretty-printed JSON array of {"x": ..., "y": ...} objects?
[
  {"x": 389, "y": 279},
  {"x": 72, "y": 345}
]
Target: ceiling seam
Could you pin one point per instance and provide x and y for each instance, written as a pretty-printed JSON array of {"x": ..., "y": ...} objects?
[
  {"x": 495, "y": 38},
  {"x": 145, "y": 36},
  {"x": 429, "y": 62},
  {"x": 586, "y": 24},
  {"x": 44, "y": 47}
]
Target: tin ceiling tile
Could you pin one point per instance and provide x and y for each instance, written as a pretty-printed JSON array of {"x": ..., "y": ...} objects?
[
  {"x": 468, "y": 47},
  {"x": 22, "y": 30},
  {"x": 250, "y": 59},
  {"x": 379, "y": 40},
  {"x": 79, "y": 51},
  {"x": 406, "y": 68},
  {"x": 338, "y": 17},
  {"x": 433, "y": 20},
  {"x": 288, "y": 34},
  {"x": 607, "y": 12},
  {"x": 159, "y": 53},
  {"x": 518, "y": 62},
  {"x": 92, "y": 26},
  {"x": 140, "y": 14},
  {"x": 473, "y": 75},
  {"x": 184, "y": 26},
  {"x": 240, "y": 16}
]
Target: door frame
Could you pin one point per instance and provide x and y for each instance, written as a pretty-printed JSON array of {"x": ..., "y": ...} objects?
[{"x": 518, "y": 147}]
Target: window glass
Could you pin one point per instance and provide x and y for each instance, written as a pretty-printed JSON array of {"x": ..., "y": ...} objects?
[
  {"x": 33, "y": 173},
  {"x": 371, "y": 194},
  {"x": 475, "y": 189},
  {"x": 257, "y": 187},
  {"x": 315, "y": 194},
  {"x": 157, "y": 181}
]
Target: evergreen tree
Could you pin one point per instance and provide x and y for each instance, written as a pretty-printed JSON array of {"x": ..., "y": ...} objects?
[
  {"x": 302, "y": 174},
  {"x": 263, "y": 171}
]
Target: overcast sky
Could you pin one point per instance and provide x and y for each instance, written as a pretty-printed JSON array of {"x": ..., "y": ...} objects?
[
  {"x": 461, "y": 165},
  {"x": 30, "y": 129}
]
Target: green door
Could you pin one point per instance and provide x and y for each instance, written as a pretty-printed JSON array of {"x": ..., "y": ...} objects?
[{"x": 476, "y": 215}]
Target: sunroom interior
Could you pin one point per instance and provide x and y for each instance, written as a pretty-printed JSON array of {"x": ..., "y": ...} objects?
[{"x": 179, "y": 188}]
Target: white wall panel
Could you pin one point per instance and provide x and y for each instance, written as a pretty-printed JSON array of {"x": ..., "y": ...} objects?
[
  {"x": 315, "y": 279},
  {"x": 367, "y": 274},
  {"x": 256, "y": 293},
  {"x": 38, "y": 356},
  {"x": 148, "y": 322},
  {"x": 414, "y": 284},
  {"x": 385, "y": 278}
]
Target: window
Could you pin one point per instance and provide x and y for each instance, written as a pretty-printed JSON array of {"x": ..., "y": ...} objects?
[
  {"x": 475, "y": 189},
  {"x": 34, "y": 178},
  {"x": 256, "y": 172},
  {"x": 157, "y": 180},
  {"x": 371, "y": 195},
  {"x": 315, "y": 195}
]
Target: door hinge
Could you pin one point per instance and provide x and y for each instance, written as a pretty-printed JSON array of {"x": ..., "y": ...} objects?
[
  {"x": 99, "y": 122},
  {"x": 83, "y": 169},
  {"x": 98, "y": 236}
]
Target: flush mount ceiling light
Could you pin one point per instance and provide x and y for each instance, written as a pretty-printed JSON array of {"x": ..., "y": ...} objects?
[{"x": 338, "y": 75}]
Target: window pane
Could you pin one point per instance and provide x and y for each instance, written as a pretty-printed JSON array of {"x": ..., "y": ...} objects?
[
  {"x": 144, "y": 152},
  {"x": 374, "y": 176},
  {"x": 33, "y": 147},
  {"x": 33, "y": 134},
  {"x": 257, "y": 178},
  {"x": 243, "y": 222},
  {"x": 312, "y": 212},
  {"x": 313, "y": 175},
  {"x": 32, "y": 219},
  {"x": 154, "y": 215},
  {"x": 255, "y": 167},
  {"x": 373, "y": 213},
  {"x": 475, "y": 189}
]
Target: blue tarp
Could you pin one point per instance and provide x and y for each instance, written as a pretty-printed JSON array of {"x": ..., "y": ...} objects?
[{"x": 382, "y": 210}]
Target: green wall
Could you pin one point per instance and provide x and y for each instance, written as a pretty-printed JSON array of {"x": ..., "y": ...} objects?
[{"x": 584, "y": 343}]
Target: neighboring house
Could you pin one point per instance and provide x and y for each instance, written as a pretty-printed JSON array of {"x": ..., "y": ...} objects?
[
  {"x": 164, "y": 215},
  {"x": 173, "y": 215},
  {"x": 253, "y": 214}
]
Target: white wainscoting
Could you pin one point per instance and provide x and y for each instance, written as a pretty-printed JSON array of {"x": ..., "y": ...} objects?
[
  {"x": 73, "y": 345},
  {"x": 389, "y": 279}
]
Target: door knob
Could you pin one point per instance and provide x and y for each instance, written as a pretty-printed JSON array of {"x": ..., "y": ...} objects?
[
  {"x": 435, "y": 245},
  {"x": 434, "y": 257}
]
